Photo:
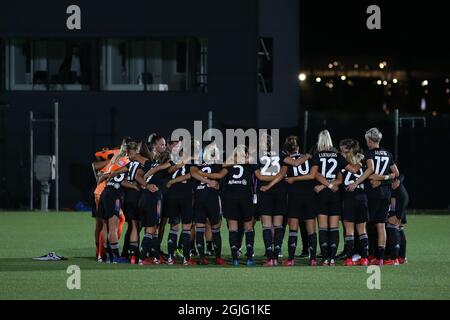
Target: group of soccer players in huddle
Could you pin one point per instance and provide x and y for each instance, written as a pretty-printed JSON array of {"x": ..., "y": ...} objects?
[{"x": 148, "y": 184}]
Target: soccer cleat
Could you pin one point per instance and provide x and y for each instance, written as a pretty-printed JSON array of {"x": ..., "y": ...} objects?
[
  {"x": 220, "y": 261},
  {"x": 268, "y": 263},
  {"x": 356, "y": 257},
  {"x": 288, "y": 263},
  {"x": 133, "y": 260},
  {"x": 348, "y": 262},
  {"x": 376, "y": 262},
  {"x": 120, "y": 260},
  {"x": 391, "y": 262},
  {"x": 170, "y": 261},
  {"x": 275, "y": 262},
  {"x": 204, "y": 261},
  {"x": 402, "y": 260},
  {"x": 250, "y": 263},
  {"x": 189, "y": 262},
  {"x": 208, "y": 253},
  {"x": 332, "y": 263},
  {"x": 147, "y": 262},
  {"x": 313, "y": 262},
  {"x": 325, "y": 263},
  {"x": 363, "y": 262},
  {"x": 235, "y": 262},
  {"x": 162, "y": 260},
  {"x": 193, "y": 253}
]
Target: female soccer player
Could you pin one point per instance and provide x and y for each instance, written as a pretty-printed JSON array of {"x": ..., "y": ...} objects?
[
  {"x": 380, "y": 197},
  {"x": 301, "y": 198},
  {"x": 179, "y": 205},
  {"x": 355, "y": 208},
  {"x": 329, "y": 162},
  {"x": 271, "y": 202},
  {"x": 207, "y": 206},
  {"x": 238, "y": 200},
  {"x": 149, "y": 206},
  {"x": 111, "y": 203}
]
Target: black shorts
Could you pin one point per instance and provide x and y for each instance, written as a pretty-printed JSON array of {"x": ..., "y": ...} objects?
[
  {"x": 131, "y": 204},
  {"x": 207, "y": 207},
  {"x": 378, "y": 209},
  {"x": 272, "y": 203},
  {"x": 240, "y": 209},
  {"x": 301, "y": 206},
  {"x": 180, "y": 208},
  {"x": 356, "y": 208},
  {"x": 329, "y": 203},
  {"x": 149, "y": 213},
  {"x": 401, "y": 204},
  {"x": 111, "y": 201}
]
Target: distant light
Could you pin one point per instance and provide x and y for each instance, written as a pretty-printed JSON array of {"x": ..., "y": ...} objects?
[
  {"x": 335, "y": 63},
  {"x": 447, "y": 80},
  {"x": 434, "y": 113},
  {"x": 302, "y": 77},
  {"x": 423, "y": 104},
  {"x": 379, "y": 82},
  {"x": 318, "y": 79},
  {"x": 343, "y": 77},
  {"x": 424, "y": 83},
  {"x": 389, "y": 93},
  {"x": 447, "y": 91},
  {"x": 426, "y": 91},
  {"x": 385, "y": 83},
  {"x": 330, "y": 65},
  {"x": 381, "y": 65},
  {"x": 356, "y": 66},
  {"x": 394, "y": 80},
  {"x": 350, "y": 83}
]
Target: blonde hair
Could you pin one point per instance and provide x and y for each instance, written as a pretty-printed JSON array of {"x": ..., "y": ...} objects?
[
  {"x": 374, "y": 135},
  {"x": 354, "y": 154},
  {"x": 324, "y": 142}
]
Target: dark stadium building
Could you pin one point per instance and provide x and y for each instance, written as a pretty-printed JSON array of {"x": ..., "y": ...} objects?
[{"x": 134, "y": 68}]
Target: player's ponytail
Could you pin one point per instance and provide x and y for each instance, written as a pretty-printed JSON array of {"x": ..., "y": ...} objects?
[
  {"x": 324, "y": 142},
  {"x": 291, "y": 144}
]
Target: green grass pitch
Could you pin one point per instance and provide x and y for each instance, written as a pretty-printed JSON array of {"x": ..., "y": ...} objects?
[{"x": 24, "y": 235}]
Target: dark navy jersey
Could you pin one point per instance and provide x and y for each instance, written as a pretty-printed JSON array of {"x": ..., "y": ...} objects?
[
  {"x": 158, "y": 178},
  {"x": 133, "y": 167},
  {"x": 201, "y": 188},
  {"x": 330, "y": 163},
  {"x": 300, "y": 187},
  {"x": 350, "y": 177},
  {"x": 382, "y": 162},
  {"x": 270, "y": 164},
  {"x": 239, "y": 181},
  {"x": 116, "y": 182},
  {"x": 181, "y": 188}
]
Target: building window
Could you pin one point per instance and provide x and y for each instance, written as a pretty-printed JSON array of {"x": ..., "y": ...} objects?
[
  {"x": 47, "y": 65},
  {"x": 154, "y": 65},
  {"x": 265, "y": 65}
]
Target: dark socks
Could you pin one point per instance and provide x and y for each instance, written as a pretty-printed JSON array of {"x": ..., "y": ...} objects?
[
  {"x": 200, "y": 241},
  {"x": 146, "y": 245},
  {"x": 186, "y": 240},
  {"x": 323, "y": 242},
  {"x": 380, "y": 252},
  {"x": 349, "y": 245},
  {"x": 312, "y": 246},
  {"x": 217, "y": 241},
  {"x": 292, "y": 243},
  {"x": 249, "y": 242},
  {"x": 172, "y": 242},
  {"x": 333, "y": 242},
  {"x": 115, "y": 249},
  {"x": 277, "y": 240},
  {"x": 393, "y": 240},
  {"x": 234, "y": 242},
  {"x": 134, "y": 248},
  {"x": 364, "y": 243},
  {"x": 126, "y": 243},
  {"x": 268, "y": 242}
]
